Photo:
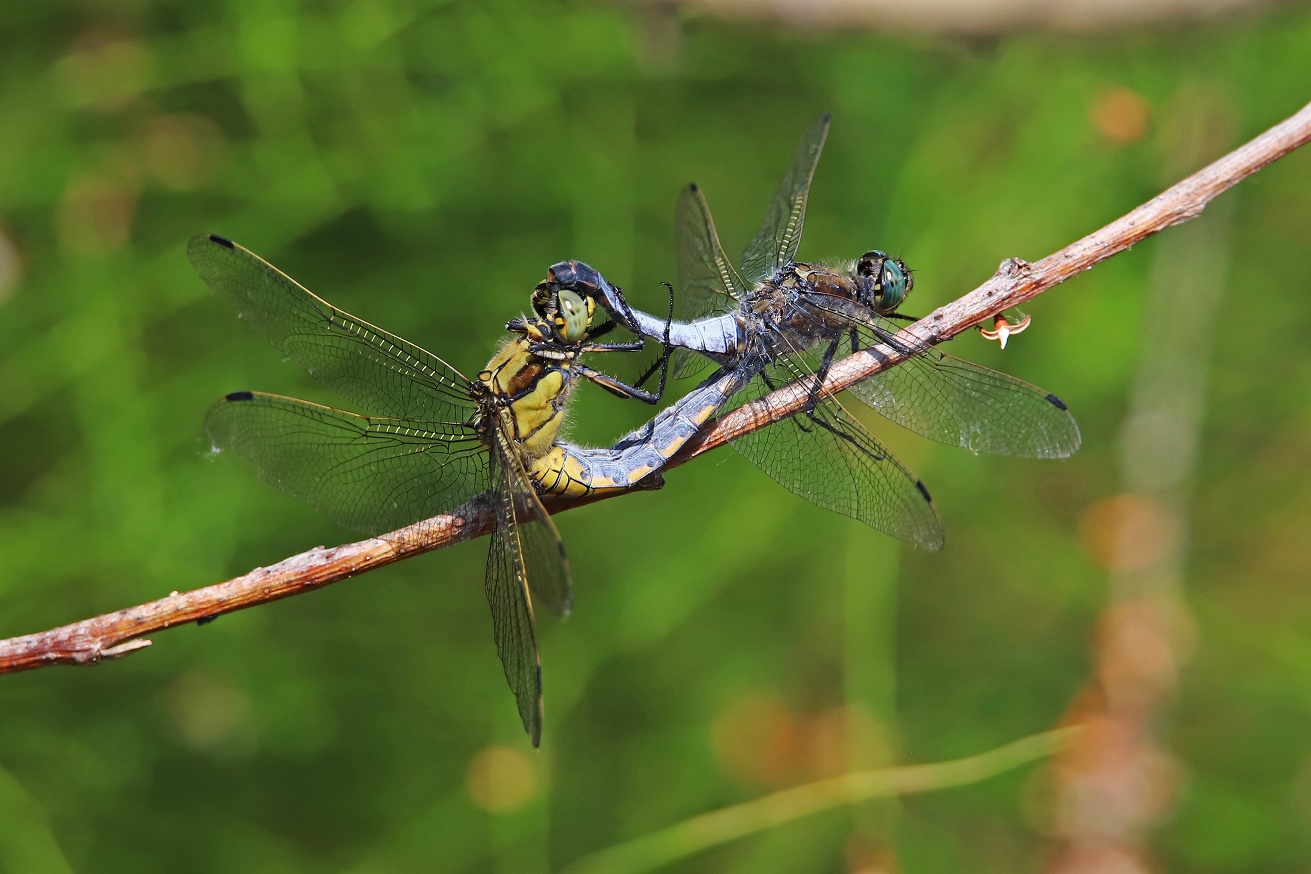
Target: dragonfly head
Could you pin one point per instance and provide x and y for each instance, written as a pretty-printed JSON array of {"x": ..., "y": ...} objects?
[
  {"x": 569, "y": 313},
  {"x": 885, "y": 280}
]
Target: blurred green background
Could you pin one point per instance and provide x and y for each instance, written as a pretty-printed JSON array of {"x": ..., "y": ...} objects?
[{"x": 420, "y": 164}]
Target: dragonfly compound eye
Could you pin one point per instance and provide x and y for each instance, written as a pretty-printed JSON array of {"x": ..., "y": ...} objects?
[
  {"x": 871, "y": 263},
  {"x": 896, "y": 282},
  {"x": 573, "y": 319}
]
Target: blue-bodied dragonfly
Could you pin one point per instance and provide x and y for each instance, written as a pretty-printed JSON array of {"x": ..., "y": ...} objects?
[
  {"x": 435, "y": 439},
  {"x": 776, "y": 321}
]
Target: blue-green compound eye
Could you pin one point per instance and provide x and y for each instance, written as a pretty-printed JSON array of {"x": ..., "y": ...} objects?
[
  {"x": 574, "y": 318},
  {"x": 896, "y": 282}
]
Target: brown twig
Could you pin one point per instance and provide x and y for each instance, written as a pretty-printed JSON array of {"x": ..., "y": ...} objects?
[{"x": 115, "y": 634}]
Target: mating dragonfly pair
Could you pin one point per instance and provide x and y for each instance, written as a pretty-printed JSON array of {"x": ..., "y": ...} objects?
[{"x": 435, "y": 438}]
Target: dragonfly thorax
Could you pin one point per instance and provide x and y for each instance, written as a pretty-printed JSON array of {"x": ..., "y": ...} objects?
[
  {"x": 774, "y": 317},
  {"x": 532, "y": 386}
]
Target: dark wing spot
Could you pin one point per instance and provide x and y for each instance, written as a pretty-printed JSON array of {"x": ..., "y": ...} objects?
[
  {"x": 692, "y": 187},
  {"x": 919, "y": 484},
  {"x": 1056, "y": 402},
  {"x": 226, "y": 244},
  {"x": 240, "y": 396},
  {"x": 205, "y": 620}
]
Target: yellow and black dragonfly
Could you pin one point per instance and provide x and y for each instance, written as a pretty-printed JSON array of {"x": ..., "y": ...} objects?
[
  {"x": 777, "y": 321},
  {"x": 433, "y": 438}
]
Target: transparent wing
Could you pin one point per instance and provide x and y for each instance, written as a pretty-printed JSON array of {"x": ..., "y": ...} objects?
[
  {"x": 776, "y": 242},
  {"x": 960, "y": 403},
  {"x": 828, "y": 458},
  {"x": 369, "y": 474},
  {"x": 708, "y": 284},
  {"x": 543, "y": 550},
  {"x": 382, "y": 373},
  {"x": 707, "y": 280},
  {"x": 526, "y": 555}
]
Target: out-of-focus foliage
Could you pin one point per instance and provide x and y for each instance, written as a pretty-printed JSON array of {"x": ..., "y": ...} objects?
[{"x": 420, "y": 164}]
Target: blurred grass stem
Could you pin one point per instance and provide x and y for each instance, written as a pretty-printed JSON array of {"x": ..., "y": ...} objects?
[{"x": 718, "y": 827}]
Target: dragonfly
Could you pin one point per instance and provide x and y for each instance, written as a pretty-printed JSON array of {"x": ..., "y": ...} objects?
[
  {"x": 435, "y": 439},
  {"x": 775, "y": 321}
]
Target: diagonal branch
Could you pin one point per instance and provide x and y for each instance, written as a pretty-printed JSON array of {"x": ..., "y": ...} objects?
[{"x": 117, "y": 634}]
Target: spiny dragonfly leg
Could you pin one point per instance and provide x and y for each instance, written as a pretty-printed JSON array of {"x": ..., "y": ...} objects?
[
  {"x": 627, "y": 346},
  {"x": 842, "y": 434},
  {"x": 795, "y": 419},
  {"x": 662, "y": 363},
  {"x": 820, "y": 376},
  {"x": 900, "y": 347},
  {"x": 602, "y": 329},
  {"x": 616, "y": 386},
  {"x": 605, "y": 328}
]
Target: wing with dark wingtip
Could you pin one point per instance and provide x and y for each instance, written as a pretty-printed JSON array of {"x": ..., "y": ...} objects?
[
  {"x": 382, "y": 373},
  {"x": 369, "y": 474},
  {"x": 831, "y": 460},
  {"x": 779, "y": 236},
  {"x": 960, "y": 403},
  {"x": 964, "y": 404},
  {"x": 526, "y": 558}
]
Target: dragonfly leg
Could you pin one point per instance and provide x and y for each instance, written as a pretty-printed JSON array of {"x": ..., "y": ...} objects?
[
  {"x": 624, "y": 390},
  {"x": 889, "y": 339},
  {"x": 773, "y": 386},
  {"x": 605, "y": 328},
  {"x": 662, "y": 363},
  {"x": 615, "y": 386},
  {"x": 629, "y": 346},
  {"x": 842, "y": 434},
  {"x": 602, "y": 329},
  {"x": 824, "y": 366}
]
